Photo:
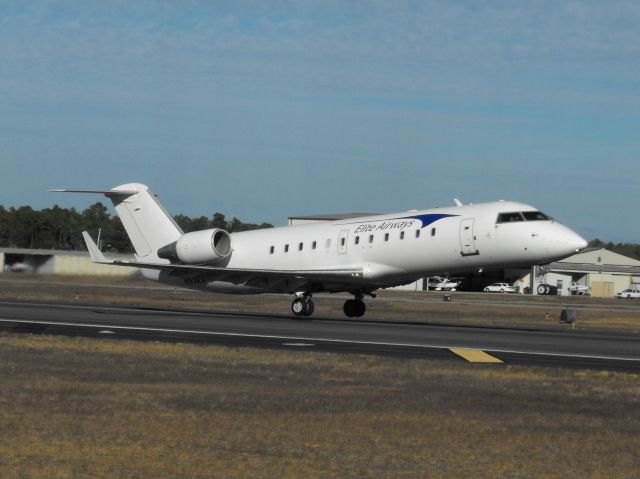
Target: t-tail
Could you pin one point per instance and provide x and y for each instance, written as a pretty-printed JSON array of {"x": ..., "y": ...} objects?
[{"x": 148, "y": 225}]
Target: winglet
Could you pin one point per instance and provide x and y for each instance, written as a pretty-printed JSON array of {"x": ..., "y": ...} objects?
[{"x": 94, "y": 252}]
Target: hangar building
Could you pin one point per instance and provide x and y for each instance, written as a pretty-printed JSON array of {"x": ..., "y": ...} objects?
[{"x": 604, "y": 272}]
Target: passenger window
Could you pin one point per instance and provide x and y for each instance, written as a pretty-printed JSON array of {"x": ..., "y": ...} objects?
[
  {"x": 286, "y": 248},
  {"x": 342, "y": 241},
  {"x": 417, "y": 233},
  {"x": 433, "y": 231},
  {"x": 370, "y": 238},
  {"x": 313, "y": 245},
  {"x": 357, "y": 240},
  {"x": 401, "y": 234},
  {"x": 272, "y": 250},
  {"x": 386, "y": 236},
  {"x": 300, "y": 247}
]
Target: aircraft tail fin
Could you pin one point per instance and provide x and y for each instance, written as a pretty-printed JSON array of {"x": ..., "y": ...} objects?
[{"x": 148, "y": 225}]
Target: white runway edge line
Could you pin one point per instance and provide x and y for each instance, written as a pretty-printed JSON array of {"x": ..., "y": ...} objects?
[{"x": 316, "y": 340}]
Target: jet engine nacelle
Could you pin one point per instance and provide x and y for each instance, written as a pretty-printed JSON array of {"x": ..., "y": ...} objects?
[{"x": 198, "y": 247}]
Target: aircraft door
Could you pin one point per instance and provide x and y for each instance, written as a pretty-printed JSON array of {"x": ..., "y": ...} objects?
[
  {"x": 342, "y": 241},
  {"x": 467, "y": 238}
]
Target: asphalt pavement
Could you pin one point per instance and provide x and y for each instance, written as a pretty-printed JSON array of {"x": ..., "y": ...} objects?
[{"x": 575, "y": 349}]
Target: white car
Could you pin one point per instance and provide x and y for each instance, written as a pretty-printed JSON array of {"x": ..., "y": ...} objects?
[
  {"x": 629, "y": 294},
  {"x": 500, "y": 288}
]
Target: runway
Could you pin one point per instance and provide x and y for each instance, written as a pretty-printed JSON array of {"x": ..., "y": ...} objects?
[{"x": 576, "y": 349}]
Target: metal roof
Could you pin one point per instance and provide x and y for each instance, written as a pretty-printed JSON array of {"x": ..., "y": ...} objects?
[{"x": 591, "y": 268}]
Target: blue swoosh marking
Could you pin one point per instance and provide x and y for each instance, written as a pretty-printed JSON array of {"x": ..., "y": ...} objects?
[{"x": 427, "y": 219}]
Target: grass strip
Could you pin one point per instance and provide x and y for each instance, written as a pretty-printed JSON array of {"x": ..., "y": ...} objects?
[{"x": 79, "y": 407}]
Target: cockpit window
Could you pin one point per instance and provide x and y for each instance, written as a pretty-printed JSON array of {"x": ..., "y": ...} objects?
[
  {"x": 509, "y": 217},
  {"x": 535, "y": 216},
  {"x": 523, "y": 216}
]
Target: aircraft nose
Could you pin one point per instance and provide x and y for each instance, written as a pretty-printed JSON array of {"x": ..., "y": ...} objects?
[
  {"x": 580, "y": 243},
  {"x": 574, "y": 240},
  {"x": 569, "y": 241}
]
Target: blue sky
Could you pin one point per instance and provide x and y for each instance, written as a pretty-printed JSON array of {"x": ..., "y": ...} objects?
[{"x": 266, "y": 109}]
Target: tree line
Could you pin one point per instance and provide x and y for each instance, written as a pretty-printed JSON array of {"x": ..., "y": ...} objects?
[
  {"x": 632, "y": 250},
  {"x": 61, "y": 228}
]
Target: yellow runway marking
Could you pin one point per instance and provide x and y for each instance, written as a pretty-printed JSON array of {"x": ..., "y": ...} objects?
[{"x": 475, "y": 355}]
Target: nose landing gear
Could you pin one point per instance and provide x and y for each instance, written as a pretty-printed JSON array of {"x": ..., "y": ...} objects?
[{"x": 302, "y": 305}]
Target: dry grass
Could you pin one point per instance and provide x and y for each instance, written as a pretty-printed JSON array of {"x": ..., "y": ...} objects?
[{"x": 72, "y": 407}]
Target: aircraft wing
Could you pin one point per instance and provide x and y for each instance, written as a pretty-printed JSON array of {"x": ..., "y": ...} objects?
[{"x": 234, "y": 275}]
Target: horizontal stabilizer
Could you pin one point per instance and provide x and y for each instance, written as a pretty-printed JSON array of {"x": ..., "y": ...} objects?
[{"x": 99, "y": 192}]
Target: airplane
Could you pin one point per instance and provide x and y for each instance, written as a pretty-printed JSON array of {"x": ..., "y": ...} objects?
[{"x": 354, "y": 255}]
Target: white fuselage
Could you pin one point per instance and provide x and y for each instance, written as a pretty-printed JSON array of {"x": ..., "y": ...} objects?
[
  {"x": 357, "y": 255},
  {"x": 398, "y": 248}
]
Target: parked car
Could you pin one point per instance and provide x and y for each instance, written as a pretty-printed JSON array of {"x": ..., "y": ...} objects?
[
  {"x": 629, "y": 294},
  {"x": 500, "y": 288}
]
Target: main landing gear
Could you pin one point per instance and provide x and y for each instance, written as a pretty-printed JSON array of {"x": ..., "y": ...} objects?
[
  {"x": 354, "y": 308},
  {"x": 302, "y": 305}
]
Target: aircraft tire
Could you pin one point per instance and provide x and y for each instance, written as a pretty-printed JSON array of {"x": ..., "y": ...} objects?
[
  {"x": 354, "y": 308},
  {"x": 309, "y": 306},
  {"x": 302, "y": 306},
  {"x": 542, "y": 290},
  {"x": 298, "y": 307},
  {"x": 349, "y": 308}
]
